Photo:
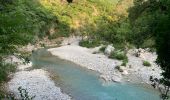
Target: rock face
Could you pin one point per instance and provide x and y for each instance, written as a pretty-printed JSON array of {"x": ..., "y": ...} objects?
[{"x": 109, "y": 49}]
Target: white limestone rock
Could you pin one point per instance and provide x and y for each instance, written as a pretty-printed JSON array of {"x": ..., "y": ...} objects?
[{"x": 109, "y": 49}]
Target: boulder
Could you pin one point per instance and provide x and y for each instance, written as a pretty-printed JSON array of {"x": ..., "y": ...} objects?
[
  {"x": 109, "y": 49},
  {"x": 125, "y": 72},
  {"x": 140, "y": 52}
]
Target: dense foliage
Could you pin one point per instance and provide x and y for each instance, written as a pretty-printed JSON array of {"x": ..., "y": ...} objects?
[
  {"x": 152, "y": 19},
  {"x": 103, "y": 19}
]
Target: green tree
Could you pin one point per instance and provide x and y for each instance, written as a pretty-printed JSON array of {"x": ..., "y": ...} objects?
[{"x": 152, "y": 18}]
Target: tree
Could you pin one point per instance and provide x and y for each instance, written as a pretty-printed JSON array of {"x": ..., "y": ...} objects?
[{"x": 156, "y": 23}]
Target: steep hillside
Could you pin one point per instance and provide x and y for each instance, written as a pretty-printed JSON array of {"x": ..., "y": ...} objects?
[{"x": 55, "y": 18}]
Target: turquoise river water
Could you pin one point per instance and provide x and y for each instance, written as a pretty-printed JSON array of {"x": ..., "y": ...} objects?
[{"x": 83, "y": 84}]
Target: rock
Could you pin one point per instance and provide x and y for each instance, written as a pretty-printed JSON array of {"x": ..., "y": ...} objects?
[
  {"x": 140, "y": 52},
  {"x": 13, "y": 60},
  {"x": 106, "y": 78},
  {"x": 122, "y": 67},
  {"x": 116, "y": 79},
  {"x": 109, "y": 49},
  {"x": 130, "y": 66},
  {"x": 125, "y": 72}
]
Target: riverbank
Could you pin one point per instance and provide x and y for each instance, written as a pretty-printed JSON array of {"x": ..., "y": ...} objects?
[
  {"x": 135, "y": 71},
  {"x": 37, "y": 83}
]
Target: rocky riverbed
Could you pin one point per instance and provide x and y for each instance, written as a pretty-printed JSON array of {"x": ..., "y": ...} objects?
[
  {"x": 37, "y": 83},
  {"x": 135, "y": 71}
]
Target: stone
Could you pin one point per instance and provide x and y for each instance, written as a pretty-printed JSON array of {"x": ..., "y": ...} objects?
[
  {"x": 125, "y": 72},
  {"x": 140, "y": 53},
  {"x": 109, "y": 49}
]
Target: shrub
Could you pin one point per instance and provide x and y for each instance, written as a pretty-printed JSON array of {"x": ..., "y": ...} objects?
[
  {"x": 119, "y": 55},
  {"x": 124, "y": 62},
  {"x": 102, "y": 49},
  {"x": 146, "y": 63},
  {"x": 5, "y": 69},
  {"x": 24, "y": 95},
  {"x": 89, "y": 44}
]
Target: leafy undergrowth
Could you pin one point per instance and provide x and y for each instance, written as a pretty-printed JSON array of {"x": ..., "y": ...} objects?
[
  {"x": 119, "y": 55},
  {"x": 23, "y": 95},
  {"x": 102, "y": 49},
  {"x": 5, "y": 69},
  {"x": 89, "y": 44},
  {"x": 146, "y": 63}
]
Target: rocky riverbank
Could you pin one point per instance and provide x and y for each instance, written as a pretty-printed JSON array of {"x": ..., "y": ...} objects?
[
  {"x": 135, "y": 71},
  {"x": 37, "y": 83}
]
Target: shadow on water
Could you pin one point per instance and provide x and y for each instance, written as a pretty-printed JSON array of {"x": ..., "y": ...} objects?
[{"x": 83, "y": 84}]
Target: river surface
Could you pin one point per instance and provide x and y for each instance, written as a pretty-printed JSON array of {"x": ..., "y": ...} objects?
[{"x": 83, "y": 84}]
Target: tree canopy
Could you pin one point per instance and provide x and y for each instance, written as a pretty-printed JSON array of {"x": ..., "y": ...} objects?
[{"x": 152, "y": 18}]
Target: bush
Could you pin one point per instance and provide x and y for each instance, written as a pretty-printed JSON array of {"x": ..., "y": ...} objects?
[
  {"x": 89, "y": 44},
  {"x": 119, "y": 55},
  {"x": 124, "y": 62},
  {"x": 5, "y": 69},
  {"x": 102, "y": 49},
  {"x": 24, "y": 95},
  {"x": 146, "y": 63}
]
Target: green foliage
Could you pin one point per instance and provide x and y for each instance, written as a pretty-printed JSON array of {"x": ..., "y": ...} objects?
[
  {"x": 124, "y": 62},
  {"x": 150, "y": 43},
  {"x": 24, "y": 94},
  {"x": 146, "y": 63},
  {"x": 119, "y": 55},
  {"x": 102, "y": 49},
  {"x": 152, "y": 19},
  {"x": 5, "y": 69},
  {"x": 89, "y": 43},
  {"x": 39, "y": 18},
  {"x": 141, "y": 25}
]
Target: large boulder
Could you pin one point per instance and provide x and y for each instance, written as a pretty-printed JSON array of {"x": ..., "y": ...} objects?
[{"x": 109, "y": 49}]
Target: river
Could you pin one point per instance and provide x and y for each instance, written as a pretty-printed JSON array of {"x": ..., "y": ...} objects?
[{"x": 84, "y": 84}]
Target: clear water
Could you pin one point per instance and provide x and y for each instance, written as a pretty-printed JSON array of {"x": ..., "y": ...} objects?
[{"x": 83, "y": 84}]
